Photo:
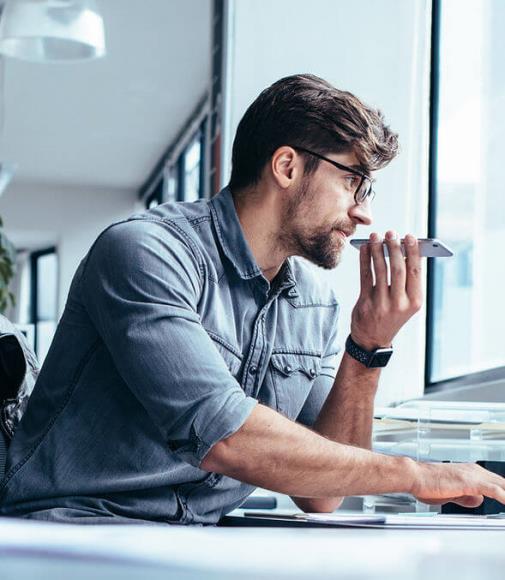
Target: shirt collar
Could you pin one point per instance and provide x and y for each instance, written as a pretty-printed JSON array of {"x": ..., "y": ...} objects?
[{"x": 233, "y": 243}]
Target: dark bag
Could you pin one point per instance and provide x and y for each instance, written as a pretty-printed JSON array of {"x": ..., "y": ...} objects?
[{"x": 19, "y": 369}]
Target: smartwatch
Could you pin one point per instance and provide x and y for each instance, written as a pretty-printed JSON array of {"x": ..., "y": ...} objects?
[{"x": 372, "y": 359}]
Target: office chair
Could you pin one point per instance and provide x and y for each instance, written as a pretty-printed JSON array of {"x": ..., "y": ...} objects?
[{"x": 19, "y": 369}]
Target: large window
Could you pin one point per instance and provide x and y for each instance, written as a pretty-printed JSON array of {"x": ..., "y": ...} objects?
[
  {"x": 467, "y": 192},
  {"x": 184, "y": 178},
  {"x": 44, "y": 295}
]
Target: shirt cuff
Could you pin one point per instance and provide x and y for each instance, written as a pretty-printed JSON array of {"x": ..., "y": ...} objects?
[{"x": 206, "y": 432}]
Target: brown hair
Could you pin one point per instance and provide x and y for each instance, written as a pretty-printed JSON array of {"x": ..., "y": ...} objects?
[{"x": 307, "y": 111}]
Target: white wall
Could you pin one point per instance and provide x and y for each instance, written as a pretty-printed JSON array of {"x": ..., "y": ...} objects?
[
  {"x": 71, "y": 217},
  {"x": 379, "y": 51}
]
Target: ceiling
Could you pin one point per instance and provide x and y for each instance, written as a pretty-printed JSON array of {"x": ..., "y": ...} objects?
[{"x": 105, "y": 123}]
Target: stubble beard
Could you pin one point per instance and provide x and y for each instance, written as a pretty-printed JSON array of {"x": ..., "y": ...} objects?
[{"x": 321, "y": 245}]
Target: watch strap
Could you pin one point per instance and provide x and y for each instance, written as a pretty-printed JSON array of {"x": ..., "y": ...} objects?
[{"x": 370, "y": 358}]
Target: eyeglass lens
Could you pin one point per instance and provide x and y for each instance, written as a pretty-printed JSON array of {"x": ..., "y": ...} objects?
[{"x": 364, "y": 191}]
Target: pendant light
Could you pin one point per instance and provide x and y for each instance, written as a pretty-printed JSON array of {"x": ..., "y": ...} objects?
[{"x": 51, "y": 30}]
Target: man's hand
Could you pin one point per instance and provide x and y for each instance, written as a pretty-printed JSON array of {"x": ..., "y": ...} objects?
[
  {"x": 386, "y": 303},
  {"x": 463, "y": 483}
]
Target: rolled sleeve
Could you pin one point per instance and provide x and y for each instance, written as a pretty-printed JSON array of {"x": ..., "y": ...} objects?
[
  {"x": 140, "y": 285},
  {"x": 234, "y": 410}
]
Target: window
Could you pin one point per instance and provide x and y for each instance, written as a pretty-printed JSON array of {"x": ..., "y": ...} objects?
[
  {"x": 191, "y": 168},
  {"x": 184, "y": 179},
  {"x": 156, "y": 197},
  {"x": 44, "y": 294},
  {"x": 170, "y": 184},
  {"x": 192, "y": 159},
  {"x": 465, "y": 331}
]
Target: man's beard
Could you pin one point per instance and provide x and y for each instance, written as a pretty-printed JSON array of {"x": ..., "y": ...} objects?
[{"x": 319, "y": 245}]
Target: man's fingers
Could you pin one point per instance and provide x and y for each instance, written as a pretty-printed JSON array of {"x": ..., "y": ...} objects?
[
  {"x": 496, "y": 492},
  {"x": 365, "y": 270},
  {"x": 396, "y": 265},
  {"x": 379, "y": 264},
  {"x": 468, "y": 501},
  {"x": 413, "y": 284}
]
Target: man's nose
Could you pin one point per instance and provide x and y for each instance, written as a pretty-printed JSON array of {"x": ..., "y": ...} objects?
[{"x": 361, "y": 213}]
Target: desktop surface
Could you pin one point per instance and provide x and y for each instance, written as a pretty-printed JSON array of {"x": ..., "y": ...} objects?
[{"x": 41, "y": 550}]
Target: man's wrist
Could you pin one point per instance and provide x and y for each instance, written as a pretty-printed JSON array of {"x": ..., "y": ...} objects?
[
  {"x": 408, "y": 474},
  {"x": 370, "y": 358},
  {"x": 369, "y": 344},
  {"x": 360, "y": 369}
]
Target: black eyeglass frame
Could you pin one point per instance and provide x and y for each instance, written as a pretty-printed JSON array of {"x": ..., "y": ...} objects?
[{"x": 370, "y": 193}]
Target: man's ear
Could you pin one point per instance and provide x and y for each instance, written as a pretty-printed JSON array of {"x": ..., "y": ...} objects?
[{"x": 286, "y": 166}]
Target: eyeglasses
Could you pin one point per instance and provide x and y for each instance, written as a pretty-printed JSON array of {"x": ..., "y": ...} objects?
[{"x": 361, "y": 189}]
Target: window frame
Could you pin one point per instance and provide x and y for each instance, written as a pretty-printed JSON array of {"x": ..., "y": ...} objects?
[
  {"x": 157, "y": 193},
  {"x": 172, "y": 160},
  {"x": 199, "y": 134},
  {"x": 34, "y": 295},
  {"x": 481, "y": 378}
]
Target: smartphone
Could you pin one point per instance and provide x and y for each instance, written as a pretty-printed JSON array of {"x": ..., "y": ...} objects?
[{"x": 429, "y": 247}]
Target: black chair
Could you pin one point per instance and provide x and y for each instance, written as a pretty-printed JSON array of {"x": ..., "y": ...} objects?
[{"x": 18, "y": 372}]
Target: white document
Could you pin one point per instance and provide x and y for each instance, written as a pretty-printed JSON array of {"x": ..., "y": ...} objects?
[
  {"x": 412, "y": 521},
  {"x": 335, "y": 518}
]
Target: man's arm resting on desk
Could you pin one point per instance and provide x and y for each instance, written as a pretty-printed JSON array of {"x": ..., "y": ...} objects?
[
  {"x": 275, "y": 453},
  {"x": 346, "y": 417}
]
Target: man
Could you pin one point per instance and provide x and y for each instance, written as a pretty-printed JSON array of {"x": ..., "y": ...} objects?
[{"x": 195, "y": 358}]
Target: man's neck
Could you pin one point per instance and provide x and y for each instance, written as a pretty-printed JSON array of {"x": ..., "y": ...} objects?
[{"x": 259, "y": 216}]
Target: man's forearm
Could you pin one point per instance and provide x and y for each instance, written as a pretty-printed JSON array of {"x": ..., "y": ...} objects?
[
  {"x": 346, "y": 416},
  {"x": 271, "y": 451}
]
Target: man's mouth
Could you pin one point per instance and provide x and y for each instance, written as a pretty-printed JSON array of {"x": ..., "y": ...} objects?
[{"x": 343, "y": 234}]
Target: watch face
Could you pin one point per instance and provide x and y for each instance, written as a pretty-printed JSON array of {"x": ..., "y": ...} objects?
[{"x": 380, "y": 358}]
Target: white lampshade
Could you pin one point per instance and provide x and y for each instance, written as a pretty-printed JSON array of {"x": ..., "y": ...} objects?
[{"x": 52, "y": 30}]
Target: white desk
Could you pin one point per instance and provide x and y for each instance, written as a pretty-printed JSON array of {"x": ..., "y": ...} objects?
[{"x": 54, "y": 551}]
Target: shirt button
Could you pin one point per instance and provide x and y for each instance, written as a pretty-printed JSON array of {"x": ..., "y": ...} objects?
[
  {"x": 312, "y": 373},
  {"x": 253, "y": 370},
  {"x": 287, "y": 369}
]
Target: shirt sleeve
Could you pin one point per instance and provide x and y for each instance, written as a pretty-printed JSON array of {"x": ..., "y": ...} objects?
[
  {"x": 140, "y": 286},
  {"x": 324, "y": 381}
]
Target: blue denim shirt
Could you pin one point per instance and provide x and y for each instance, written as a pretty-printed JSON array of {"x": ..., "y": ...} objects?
[{"x": 169, "y": 338}]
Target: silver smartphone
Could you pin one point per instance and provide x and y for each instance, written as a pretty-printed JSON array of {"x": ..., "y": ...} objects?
[{"x": 429, "y": 247}]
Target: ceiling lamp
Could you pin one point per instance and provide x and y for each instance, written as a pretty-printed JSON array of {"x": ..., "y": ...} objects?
[{"x": 51, "y": 30}]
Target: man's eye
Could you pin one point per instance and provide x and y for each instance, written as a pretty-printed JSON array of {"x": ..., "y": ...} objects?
[{"x": 352, "y": 181}]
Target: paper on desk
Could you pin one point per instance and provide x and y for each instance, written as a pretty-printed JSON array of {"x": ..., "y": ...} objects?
[
  {"x": 413, "y": 521},
  {"x": 341, "y": 518},
  {"x": 392, "y": 424},
  {"x": 465, "y": 414}
]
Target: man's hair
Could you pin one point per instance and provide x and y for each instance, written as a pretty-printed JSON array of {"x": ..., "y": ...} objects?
[{"x": 306, "y": 111}]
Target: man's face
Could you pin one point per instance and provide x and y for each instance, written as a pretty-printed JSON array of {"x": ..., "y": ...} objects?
[{"x": 322, "y": 213}]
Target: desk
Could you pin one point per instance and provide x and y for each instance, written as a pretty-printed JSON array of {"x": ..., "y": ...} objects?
[{"x": 39, "y": 550}]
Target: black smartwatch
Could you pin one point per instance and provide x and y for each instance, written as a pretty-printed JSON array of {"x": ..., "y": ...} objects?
[{"x": 372, "y": 359}]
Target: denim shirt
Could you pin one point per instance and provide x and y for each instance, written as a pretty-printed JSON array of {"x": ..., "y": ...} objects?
[{"x": 170, "y": 337}]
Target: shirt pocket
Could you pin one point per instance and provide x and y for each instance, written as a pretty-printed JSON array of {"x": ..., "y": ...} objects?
[{"x": 293, "y": 375}]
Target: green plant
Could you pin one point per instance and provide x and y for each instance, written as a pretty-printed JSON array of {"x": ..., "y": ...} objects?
[{"x": 7, "y": 269}]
